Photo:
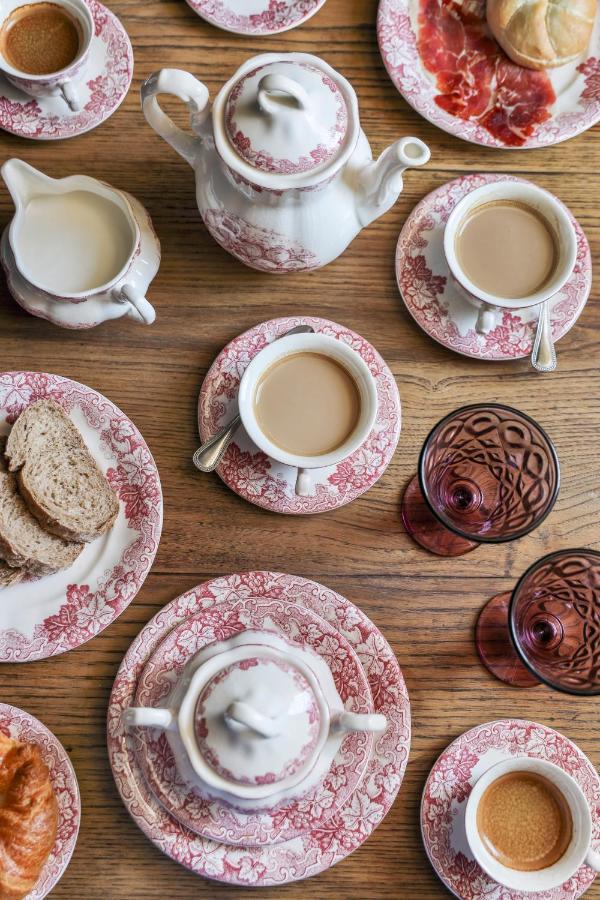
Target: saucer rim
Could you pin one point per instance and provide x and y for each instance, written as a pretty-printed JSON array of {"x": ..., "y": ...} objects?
[{"x": 212, "y": 20}]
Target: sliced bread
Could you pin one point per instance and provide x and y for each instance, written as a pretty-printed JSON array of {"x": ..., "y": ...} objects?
[
  {"x": 23, "y": 541},
  {"x": 42, "y": 425},
  {"x": 9, "y": 576}
]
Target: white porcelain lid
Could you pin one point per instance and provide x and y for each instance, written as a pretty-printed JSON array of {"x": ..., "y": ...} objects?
[
  {"x": 257, "y": 721},
  {"x": 286, "y": 117}
]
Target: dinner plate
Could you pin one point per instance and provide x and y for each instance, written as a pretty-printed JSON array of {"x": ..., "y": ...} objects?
[
  {"x": 59, "y": 612},
  {"x": 478, "y": 94},
  {"x": 21, "y": 726},
  {"x": 256, "y": 17}
]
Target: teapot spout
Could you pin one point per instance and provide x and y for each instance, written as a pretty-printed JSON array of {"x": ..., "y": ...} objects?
[
  {"x": 23, "y": 181},
  {"x": 380, "y": 182}
]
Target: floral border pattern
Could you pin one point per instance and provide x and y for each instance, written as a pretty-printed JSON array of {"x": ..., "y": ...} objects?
[
  {"x": 263, "y": 481},
  {"x": 20, "y": 725},
  {"x": 342, "y": 834},
  {"x": 90, "y": 608},
  {"x": 279, "y": 15},
  {"x": 449, "y": 785}
]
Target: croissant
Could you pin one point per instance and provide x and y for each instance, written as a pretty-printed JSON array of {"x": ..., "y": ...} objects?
[
  {"x": 542, "y": 34},
  {"x": 28, "y": 817}
]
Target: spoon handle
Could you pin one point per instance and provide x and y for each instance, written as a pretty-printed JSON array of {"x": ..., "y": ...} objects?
[
  {"x": 543, "y": 355},
  {"x": 210, "y": 454}
]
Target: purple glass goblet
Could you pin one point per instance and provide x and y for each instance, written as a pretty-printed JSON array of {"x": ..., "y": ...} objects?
[
  {"x": 487, "y": 473},
  {"x": 549, "y": 630}
]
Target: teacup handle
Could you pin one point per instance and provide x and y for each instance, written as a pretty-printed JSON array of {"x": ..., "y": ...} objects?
[
  {"x": 348, "y": 721},
  {"x": 140, "y": 308},
  {"x": 592, "y": 860},
  {"x": 304, "y": 483},
  {"x": 486, "y": 320},
  {"x": 70, "y": 96},
  {"x": 148, "y": 717},
  {"x": 193, "y": 93}
]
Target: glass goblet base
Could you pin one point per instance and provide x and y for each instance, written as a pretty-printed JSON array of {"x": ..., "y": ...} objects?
[
  {"x": 495, "y": 647},
  {"x": 425, "y": 529}
]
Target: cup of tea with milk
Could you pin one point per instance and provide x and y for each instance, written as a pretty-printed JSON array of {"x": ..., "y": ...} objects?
[
  {"x": 509, "y": 245},
  {"x": 308, "y": 401}
]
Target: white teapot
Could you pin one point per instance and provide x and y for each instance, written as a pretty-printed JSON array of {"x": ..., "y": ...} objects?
[
  {"x": 254, "y": 720},
  {"x": 285, "y": 177}
]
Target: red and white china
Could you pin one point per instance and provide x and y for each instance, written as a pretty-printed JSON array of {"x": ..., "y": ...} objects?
[
  {"x": 285, "y": 178},
  {"x": 345, "y": 831},
  {"x": 450, "y": 783},
  {"x": 40, "y": 249},
  {"x": 437, "y": 303},
  {"x": 256, "y": 17},
  {"x": 222, "y": 821},
  {"x": 21, "y": 726},
  {"x": 69, "y": 608},
  {"x": 108, "y": 76},
  {"x": 436, "y": 52},
  {"x": 268, "y": 483}
]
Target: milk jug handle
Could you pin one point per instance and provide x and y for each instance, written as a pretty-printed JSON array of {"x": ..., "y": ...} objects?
[
  {"x": 139, "y": 308},
  {"x": 193, "y": 93}
]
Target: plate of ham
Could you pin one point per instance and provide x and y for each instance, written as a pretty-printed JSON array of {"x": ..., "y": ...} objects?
[{"x": 443, "y": 59}]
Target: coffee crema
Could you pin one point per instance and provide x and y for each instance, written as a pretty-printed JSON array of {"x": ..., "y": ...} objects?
[
  {"x": 307, "y": 404},
  {"x": 40, "y": 38},
  {"x": 507, "y": 248},
  {"x": 524, "y": 821}
]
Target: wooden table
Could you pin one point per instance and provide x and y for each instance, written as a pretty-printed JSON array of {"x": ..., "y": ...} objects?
[{"x": 426, "y": 606}]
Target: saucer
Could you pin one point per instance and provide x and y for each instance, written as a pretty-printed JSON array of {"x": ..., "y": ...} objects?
[
  {"x": 257, "y": 17},
  {"x": 109, "y": 74},
  {"x": 435, "y": 303},
  {"x": 449, "y": 785},
  {"x": 96, "y": 310},
  {"x": 554, "y": 105},
  {"x": 68, "y": 608},
  {"x": 20, "y": 726},
  {"x": 217, "y": 820},
  {"x": 268, "y": 483},
  {"x": 344, "y": 832}
]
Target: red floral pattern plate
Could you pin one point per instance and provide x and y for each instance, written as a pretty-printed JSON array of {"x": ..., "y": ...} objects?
[
  {"x": 441, "y": 311},
  {"x": 268, "y": 483},
  {"x": 219, "y": 821},
  {"x": 256, "y": 16},
  {"x": 449, "y": 785},
  {"x": 344, "y": 832},
  {"x": 20, "y": 726},
  {"x": 478, "y": 94},
  {"x": 67, "y": 609},
  {"x": 109, "y": 75}
]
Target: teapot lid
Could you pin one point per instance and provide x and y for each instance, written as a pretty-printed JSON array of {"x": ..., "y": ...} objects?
[
  {"x": 288, "y": 116},
  {"x": 258, "y": 721}
]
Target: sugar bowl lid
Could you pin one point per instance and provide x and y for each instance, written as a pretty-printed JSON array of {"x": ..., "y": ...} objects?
[
  {"x": 288, "y": 116},
  {"x": 258, "y": 721}
]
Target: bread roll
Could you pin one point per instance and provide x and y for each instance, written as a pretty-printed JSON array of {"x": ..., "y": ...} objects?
[{"x": 542, "y": 34}]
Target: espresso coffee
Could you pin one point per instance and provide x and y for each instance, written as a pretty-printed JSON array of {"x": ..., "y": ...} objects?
[
  {"x": 40, "y": 38},
  {"x": 507, "y": 249},
  {"x": 307, "y": 404},
  {"x": 524, "y": 821}
]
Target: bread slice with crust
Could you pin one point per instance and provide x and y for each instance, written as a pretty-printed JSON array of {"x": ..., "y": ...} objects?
[
  {"x": 9, "y": 576},
  {"x": 40, "y": 426}
]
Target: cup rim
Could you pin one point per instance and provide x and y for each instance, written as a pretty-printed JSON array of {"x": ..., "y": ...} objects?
[
  {"x": 511, "y": 624},
  {"x": 307, "y": 343},
  {"x": 469, "y": 202},
  {"x": 80, "y": 11}
]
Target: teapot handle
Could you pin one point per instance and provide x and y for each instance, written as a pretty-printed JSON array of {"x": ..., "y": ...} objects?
[
  {"x": 193, "y": 93},
  {"x": 348, "y": 721}
]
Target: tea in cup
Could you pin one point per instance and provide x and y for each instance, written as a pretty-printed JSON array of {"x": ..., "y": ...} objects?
[
  {"x": 509, "y": 245},
  {"x": 308, "y": 401},
  {"x": 44, "y": 46},
  {"x": 529, "y": 825}
]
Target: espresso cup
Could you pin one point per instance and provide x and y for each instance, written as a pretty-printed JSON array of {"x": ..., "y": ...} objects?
[
  {"x": 63, "y": 83},
  {"x": 559, "y": 221},
  {"x": 579, "y": 850},
  {"x": 345, "y": 356}
]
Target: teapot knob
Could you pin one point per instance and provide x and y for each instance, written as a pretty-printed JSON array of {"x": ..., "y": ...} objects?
[{"x": 280, "y": 84}]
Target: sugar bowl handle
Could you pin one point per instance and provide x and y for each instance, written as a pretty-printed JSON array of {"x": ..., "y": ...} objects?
[
  {"x": 195, "y": 96},
  {"x": 148, "y": 717},
  {"x": 348, "y": 721}
]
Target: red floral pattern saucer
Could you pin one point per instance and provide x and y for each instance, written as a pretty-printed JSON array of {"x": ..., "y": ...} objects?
[
  {"x": 266, "y": 482},
  {"x": 20, "y": 726},
  {"x": 109, "y": 75},
  {"x": 71, "y": 607},
  {"x": 441, "y": 311},
  {"x": 449, "y": 785},
  {"x": 256, "y": 16},
  {"x": 218, "y": 821},
  {"x": 345, "y": 831}
]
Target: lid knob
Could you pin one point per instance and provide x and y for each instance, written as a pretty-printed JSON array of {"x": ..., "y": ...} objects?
[{"x": 280, "y": 84}]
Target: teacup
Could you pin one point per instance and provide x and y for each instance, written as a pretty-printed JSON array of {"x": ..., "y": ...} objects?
[
  {"x": 354, "y": 365},
  {"x": 553, "y": 213},
  {"x": 579, "y": 850},
  {"x": 64, "y": 82}
]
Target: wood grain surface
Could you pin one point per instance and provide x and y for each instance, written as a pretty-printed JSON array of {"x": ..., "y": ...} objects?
[{"x": 426, "y": 606}]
